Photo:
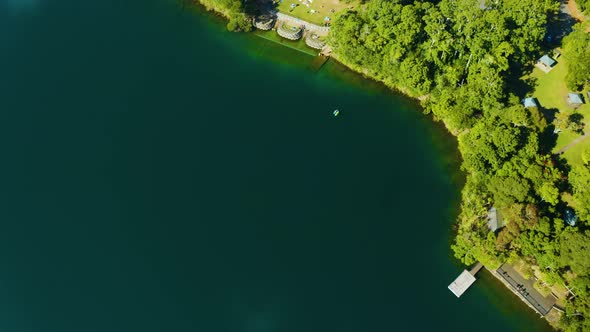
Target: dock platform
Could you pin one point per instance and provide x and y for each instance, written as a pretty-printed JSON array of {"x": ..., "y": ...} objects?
[{"x": 464, "y": 280}]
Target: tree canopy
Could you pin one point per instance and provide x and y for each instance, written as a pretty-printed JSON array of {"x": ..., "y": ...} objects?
[
  {"x": 234, "y": 10},
  {"x": 577, "y": 51}
]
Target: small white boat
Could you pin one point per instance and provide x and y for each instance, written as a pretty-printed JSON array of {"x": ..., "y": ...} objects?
[{"x": 336, "y": 112}]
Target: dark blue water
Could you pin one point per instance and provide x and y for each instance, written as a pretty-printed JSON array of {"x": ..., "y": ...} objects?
[{"x": 161, "y": 174}]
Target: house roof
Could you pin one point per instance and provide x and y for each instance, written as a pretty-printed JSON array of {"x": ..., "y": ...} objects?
[
  {"x": 547, "y": 61},
  {"x": 575, "y": 98},
  {"x": 494, "y": 220},
  {"x": 530, "y": 102}
]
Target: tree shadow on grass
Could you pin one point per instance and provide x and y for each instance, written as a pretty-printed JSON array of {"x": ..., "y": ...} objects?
[
  {"x": 522, "y": 87},
  {"x": 561, "y": 164},
  {"x": 577, "y": 120},
  {"x": 549, "y": 113},
  {"x": 559, "y": 26},
  {"x": 548, "y": 138}
]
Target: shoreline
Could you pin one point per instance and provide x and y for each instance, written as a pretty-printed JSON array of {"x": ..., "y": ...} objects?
[
  {"x": 394, "y": 88},
  {"x": 494, "y": 273},
  {"x": 366, "y": 75},
  {"x": 404, "y": 92},
  {"x": 223, "y": 13},
  {"x": 549, "y": 317},
  {"x": 213, "y": 7}
]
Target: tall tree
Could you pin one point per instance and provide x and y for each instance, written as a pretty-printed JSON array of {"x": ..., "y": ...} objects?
[
  {"x": 579, "y": 179},
  {"x": 576, "y": 48}
]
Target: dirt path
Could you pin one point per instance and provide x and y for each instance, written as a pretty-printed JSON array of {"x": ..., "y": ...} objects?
[
  {"x": 573, "y": 10},
  {"x": 573, "y": 143}
]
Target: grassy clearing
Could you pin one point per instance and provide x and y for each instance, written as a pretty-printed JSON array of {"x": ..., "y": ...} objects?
[
  {"x": 322, "y": 8},
  {"x": 574, "y": 155},
  {"x": 552, "y": 92},
  {"x": 550, "y": 89}
]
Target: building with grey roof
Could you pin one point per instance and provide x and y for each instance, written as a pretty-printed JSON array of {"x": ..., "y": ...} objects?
[
  {"x": 547, "y": 61},
  {"x": 575, "y": 99},
  {"x": 530, "y": 102},
  {"x": 495, "y": 221}
]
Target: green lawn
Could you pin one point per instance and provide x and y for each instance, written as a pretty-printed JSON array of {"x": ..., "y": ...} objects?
[
  {"x": 551, "y": 92},
  {"x": 322, "y": 9},
  {"x": 574, "y": 155}
]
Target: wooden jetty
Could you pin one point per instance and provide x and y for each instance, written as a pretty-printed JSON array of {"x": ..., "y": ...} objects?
[
  {"x": 318, "y": 62},
  {"x": 464, "y": 280}
]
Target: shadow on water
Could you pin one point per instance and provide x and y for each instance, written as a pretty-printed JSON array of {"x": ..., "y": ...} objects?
[{"x": 298, "y": 45}]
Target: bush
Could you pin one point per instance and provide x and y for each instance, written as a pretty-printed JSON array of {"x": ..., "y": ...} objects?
[
  {"x": 232, "y": 25},
  {"x": 239, "y": 22}
]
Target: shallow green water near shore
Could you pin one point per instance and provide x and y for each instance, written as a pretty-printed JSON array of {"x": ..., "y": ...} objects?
[{"x": 161, "y": 174}]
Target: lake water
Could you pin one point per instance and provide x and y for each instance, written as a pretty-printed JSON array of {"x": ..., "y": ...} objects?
[{"x": 161, "y": 174}]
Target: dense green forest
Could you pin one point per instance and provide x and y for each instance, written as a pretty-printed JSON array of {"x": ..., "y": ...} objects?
[{"x": 465, "y": 59}]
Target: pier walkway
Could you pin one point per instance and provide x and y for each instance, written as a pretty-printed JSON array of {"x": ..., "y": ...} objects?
[{"x": 476, "y": 268}]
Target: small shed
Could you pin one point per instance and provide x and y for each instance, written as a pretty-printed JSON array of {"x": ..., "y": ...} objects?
[
  {"x": 547, "y": 61},
  {"x": 530, "y": 102},
  {"x": 575, "y": 99},
  {"x": 495, "y": 221}
]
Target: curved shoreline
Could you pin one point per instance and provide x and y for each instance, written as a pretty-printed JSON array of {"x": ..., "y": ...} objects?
[
  {"x": 418, "y": 99},
  {"x": 212, "y": 6}
]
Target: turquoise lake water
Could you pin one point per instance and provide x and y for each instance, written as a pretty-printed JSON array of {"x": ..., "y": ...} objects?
[{"x": 159, "y": 173}]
